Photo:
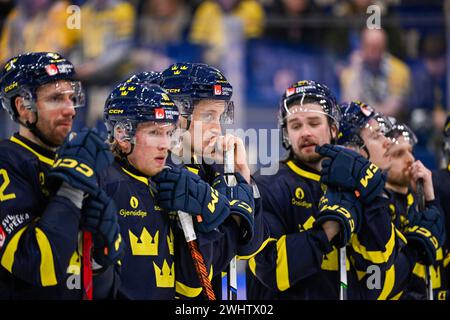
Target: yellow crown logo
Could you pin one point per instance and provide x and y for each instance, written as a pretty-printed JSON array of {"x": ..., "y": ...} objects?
[
  {"x": 131, "y": 88},
  {"x": 170, "y": 241},
  {"x": 124, "y": 93},
  {"x": 177, "y": 72},
  {"x": 10, "y": 64},
  {"x": 184, "y": 68},
  {"x": 165, "y": 277},
  {"x": 175, "y": 67},
  {"x": 145, "y": 245}
]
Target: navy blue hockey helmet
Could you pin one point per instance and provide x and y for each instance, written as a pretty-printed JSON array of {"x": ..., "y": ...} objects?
[
  {"x": 356, "y": 116},
  {"x": 132, "y": 103},
  {"x": 302, "y": 93},
  {"x": 401, "y": 130},
  {"x": 24, "y": 74},
  {"x": 147, "y": 77},
  {"x": 190, "y": 82}
]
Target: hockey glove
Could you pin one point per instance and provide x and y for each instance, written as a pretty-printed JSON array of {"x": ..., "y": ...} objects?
[
  {"x": 426, "y": 231},
  {"x": 180, "y": 189},
  {"x": 342, "y": 207},
  {"x": 99, "y": 216},
  {"x": 79, "y": 160},
  {"x": 351, "y": 171},
  {"x": 242, "y": 203}
]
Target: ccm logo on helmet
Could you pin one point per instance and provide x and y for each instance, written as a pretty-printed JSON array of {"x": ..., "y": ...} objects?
[
  {"x": 115, "y": 111},
  {"x": 11, "y": 86}
]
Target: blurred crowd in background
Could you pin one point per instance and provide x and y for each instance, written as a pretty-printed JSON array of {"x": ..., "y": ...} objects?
[{"x": 262, "y": 46}]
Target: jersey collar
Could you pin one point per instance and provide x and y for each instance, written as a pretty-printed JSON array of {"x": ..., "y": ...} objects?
[
  {"x": 303, "y": 170},
  {"x": 44, "y": 155},
  {"x": 132, "y": 172}
]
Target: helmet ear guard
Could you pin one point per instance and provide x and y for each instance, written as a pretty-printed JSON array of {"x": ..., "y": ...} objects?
[{"x": 124, "y": 131}]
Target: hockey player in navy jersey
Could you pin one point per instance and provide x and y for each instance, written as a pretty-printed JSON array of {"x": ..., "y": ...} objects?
[
  {"x": 301, "y": 259},
  {"x": 405, "y": 170},
  {"x": 141, "y": 118},
  {"x": 379, "y": 243},
  {"x": 204, "y": 97},
  {"x": 41, "y": 197},
  {"x": 441, "y": 183}
]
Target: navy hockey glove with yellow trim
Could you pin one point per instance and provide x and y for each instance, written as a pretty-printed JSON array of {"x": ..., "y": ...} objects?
[
  {"x": 342, "y": 207},
  {"x": 99, "y": 216},
  {"x": 426, "y": 231},
  {"x": 79, "y": 160},
  {"x": 349, "y": 170},
  {"x": 180, "y": 189},
  {"x": 242, "y": 203}
]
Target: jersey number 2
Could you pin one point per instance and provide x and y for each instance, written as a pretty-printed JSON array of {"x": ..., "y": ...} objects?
[{"x": 6, "y": 181}]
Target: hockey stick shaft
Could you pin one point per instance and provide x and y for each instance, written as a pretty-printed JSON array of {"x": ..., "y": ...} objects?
[
  {"x": 231, "y": 181},
  {"x": 197, "y": 258},
  {"x": 87, "y": 266},
  {"x": 343, "y": 284},
  {"x": 421, "y": 207}
]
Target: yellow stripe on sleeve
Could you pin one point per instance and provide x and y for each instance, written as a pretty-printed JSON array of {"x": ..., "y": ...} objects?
[
  {"x": 282, "y": 270},
  {"x": 10, "y": 250},
  {"x": 47, "y": 268},
  {"x": 263, "y": 245},
  {"x": 388, "y": 283},
  {"x": 375, "y": 256}
]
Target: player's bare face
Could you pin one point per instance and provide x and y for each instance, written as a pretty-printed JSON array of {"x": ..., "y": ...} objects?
[
  {"x": 55, "y": 109},
  {"x": 306, "y": 130},
  {"x": 377, "y": 144},
  {"x": 401, "y": 159},
  {"x": 151, "y": 148},
  {"x": 205, "y": 126}
]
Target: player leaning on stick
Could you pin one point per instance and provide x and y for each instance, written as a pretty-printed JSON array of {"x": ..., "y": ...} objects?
[
  {"x": 363, "y": 169},
  {"x": 441, "y": 183},
  {"x": 204, "y": 97},
  {"x": 403, "y": 174},
  {"x": 140, "y": 118},
  {"x": 40, "y": 222},
  {"x": 301, "y": 259}
]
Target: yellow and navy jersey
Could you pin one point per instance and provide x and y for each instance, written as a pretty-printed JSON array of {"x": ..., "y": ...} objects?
[
  {"x": 227, "y": 243},
  {"x": 261, "y": 232},
  {"x": 405, "y": 278},
  {"x": 375, "y": 249},
  {"x": 298, "y": 261},
  {"x": 441, "y": 183},
  {"x": 39, "y": 252},
  {"x": 157, "y": 263}
]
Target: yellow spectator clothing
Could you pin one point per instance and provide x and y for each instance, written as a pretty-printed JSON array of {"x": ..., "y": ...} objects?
[
  {"x": 398, "y": 79},
  {"x": 103, "y": 27},
  {"x": 45, "y": 31},
  {"x": 207, "y": 25}
]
